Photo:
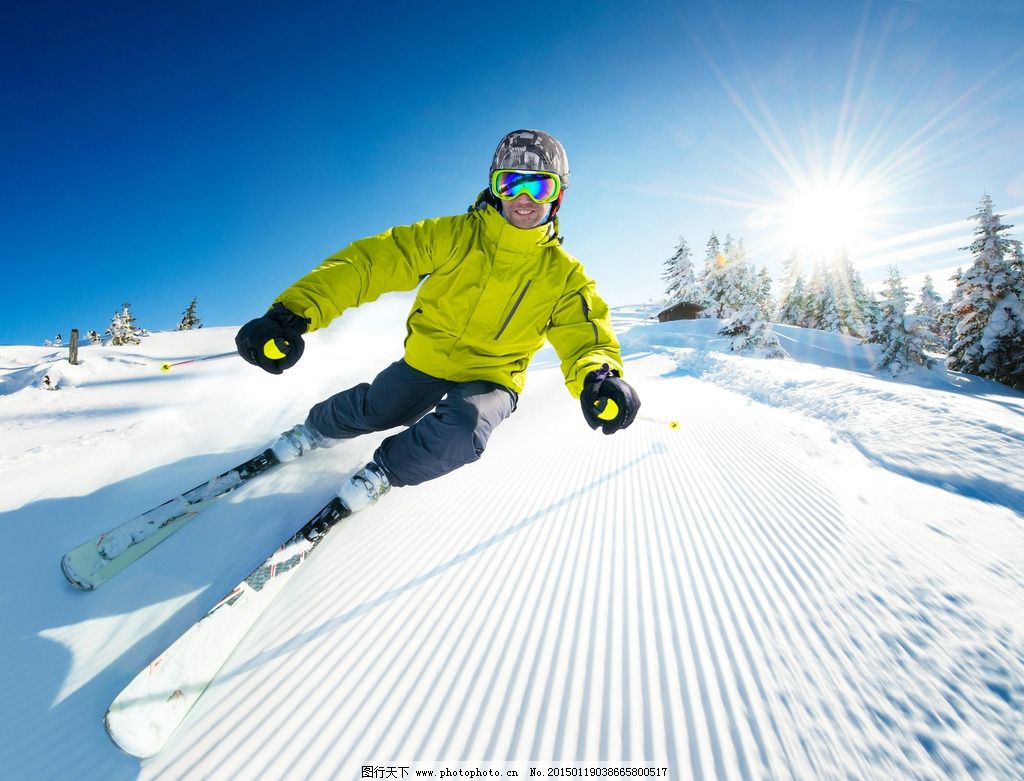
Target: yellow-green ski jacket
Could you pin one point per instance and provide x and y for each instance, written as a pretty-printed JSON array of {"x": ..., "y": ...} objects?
[{"x": 491, "y": 294}]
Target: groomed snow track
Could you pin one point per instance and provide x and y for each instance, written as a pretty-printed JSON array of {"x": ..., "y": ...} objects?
[{"x": 712, "y": 599}]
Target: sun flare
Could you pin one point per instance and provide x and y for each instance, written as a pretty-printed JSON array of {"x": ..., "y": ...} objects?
[{"x": 821, "y": 220}]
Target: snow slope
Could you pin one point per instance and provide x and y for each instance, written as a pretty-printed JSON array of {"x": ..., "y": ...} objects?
[{"x": 818, "y": 575}]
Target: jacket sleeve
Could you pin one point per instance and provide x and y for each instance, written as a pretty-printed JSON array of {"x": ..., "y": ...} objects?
[
  {"x": 581, "y": 332},
  {"x": 366, "y": 269}
]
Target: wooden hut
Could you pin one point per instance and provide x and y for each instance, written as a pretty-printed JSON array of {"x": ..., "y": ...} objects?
[{"x": 681, "y": 311}]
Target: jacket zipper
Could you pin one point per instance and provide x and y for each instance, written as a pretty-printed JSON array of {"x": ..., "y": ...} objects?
[{"x": 515, "y": 306}]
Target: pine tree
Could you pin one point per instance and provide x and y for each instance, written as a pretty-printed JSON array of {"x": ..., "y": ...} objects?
[
  {"x": 1013, "y": 347},
  {"x": 751, "y": 334},
  {"x": 793, "y": 304},
  {"x": 765, "y": 301},
  {"x": 930, "y": 308},
  {"x": 713, "y": 259},
  {"x": 793, "y": 308},
  {"x": 94, "y": 338},
  {"x": 680, "y": 277},
  {"x": 851, "y": 297},
  {"x": 712, "y": 278},
  {"x": 947, "y": 320},
  {"x": 123, "y": 329},
  {"x": 730, "y": 281},
  {"x": 189, "y": 318},
  {"x": 986, "y": 306},
  {"x": 712, "y": 249},
  {"x": 900, "y": 335},
  {"x": 822, "y": 308}
]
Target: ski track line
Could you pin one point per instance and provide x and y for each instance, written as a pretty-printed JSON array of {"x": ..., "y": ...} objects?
[
  {"x": 587, "y": 515},
  {"x": 658, "y": 603},
  {"x": 325, "y": 545},
  {"x": 873, "y": 736},
  {"x": 568, "y": 738},
  {"x": 312, "y": 691},
  {"x": 508, "y": 561},
  {"x": 565, "y": 532},
  {"x": 411, "y": 674},
  {"x": 394, "y": 624},
  {"x": 570, "y": 531},
  {"x": 473, "y": 572},
  {"x": 727, "y": 741},
  {"x": 497, "y": 567},
  {"x": 799, "y": 571},
  {"x": 763, "y": 750},
  {"x": 779, "y": 539},
  {"x": 246, "y": 697}
]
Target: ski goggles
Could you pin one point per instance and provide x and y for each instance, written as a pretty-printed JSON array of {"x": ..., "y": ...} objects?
[{"x": 540, "y": 186}]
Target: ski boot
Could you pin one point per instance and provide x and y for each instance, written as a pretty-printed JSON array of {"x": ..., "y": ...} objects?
[
  {"x": 365, "y": 487},
  {"x": 299, "y": 440}
]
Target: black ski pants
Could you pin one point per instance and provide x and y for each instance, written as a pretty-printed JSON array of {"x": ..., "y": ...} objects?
[{"x": 448, "y": 423}]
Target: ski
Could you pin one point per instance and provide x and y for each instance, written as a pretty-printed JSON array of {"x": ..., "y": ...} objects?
[
  {"x": 96, "y": 561},
  {"x": 148, "y": 710}
]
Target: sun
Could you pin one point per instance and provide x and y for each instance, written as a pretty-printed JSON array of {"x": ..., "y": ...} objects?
[{"x": 819, "y": 220}]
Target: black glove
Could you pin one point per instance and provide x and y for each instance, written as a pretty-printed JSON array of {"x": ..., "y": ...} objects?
[
  {"x": 601, "y": 386},
  {"x": 273, "y": 342}
]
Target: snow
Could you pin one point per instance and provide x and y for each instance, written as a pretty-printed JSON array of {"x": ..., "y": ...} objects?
[{"x": 819, "y": 574}]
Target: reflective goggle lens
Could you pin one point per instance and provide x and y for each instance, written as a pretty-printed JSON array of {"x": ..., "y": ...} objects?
[{"x": 540, "y": 186}]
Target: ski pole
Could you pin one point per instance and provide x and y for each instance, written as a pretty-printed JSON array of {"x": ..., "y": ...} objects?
[
  {"x": 672, "y": 423},
  {"x": 611, "y": 410},
  {"x": 166, "y": 367}
]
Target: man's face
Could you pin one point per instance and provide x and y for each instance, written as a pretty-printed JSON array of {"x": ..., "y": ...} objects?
[{"x": 524, "y": 213}]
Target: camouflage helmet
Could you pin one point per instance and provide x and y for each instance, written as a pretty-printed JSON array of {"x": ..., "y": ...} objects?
[{"x": 532, "y": 150}]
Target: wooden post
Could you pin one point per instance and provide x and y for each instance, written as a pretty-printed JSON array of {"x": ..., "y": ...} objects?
[{"x": 73, "y": 352}]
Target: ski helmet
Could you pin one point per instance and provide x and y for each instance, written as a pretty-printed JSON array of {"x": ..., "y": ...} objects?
[{"x": 532, "y": 150}]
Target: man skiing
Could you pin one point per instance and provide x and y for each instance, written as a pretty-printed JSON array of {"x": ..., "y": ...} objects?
[{"x": 495, "y": 284}]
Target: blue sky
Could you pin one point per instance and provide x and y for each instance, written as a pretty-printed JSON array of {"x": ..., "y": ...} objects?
[{"x": 155, "y": 151}]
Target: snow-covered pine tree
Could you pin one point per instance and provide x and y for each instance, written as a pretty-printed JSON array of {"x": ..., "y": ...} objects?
[
  {"x": 712, "y": 249},
  {"x": 730, "y": 281},
  {"x": 947, "y": 321},
  {"x": 1007, "y": 326},
  {"x": 713, "y": 259},
  {"x": 793, "y": 308},
  {"x": 681, "y": 283},
  {"x": 123, "y": 329},
  {"x": 751, "y": 334},
  {"x": 1013, "y": 347},
  {"x": 987, "y": 305},
  {"x": 765, "y": 300},
  {"x": 189, "y": 318},
  {"x": 930, "y": 308},
  {"x": 793, "y": 304},
  {"x": 822, "y": 309},
  {"x": 851, "y": 298},
  {"x": 94, "y": 338},
  {"x": 739, "y": 294},
  {"x": 900, "y": 335}
]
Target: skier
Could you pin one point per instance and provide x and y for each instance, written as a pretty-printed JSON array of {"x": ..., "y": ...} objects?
[{"x": 497, "y": 283}]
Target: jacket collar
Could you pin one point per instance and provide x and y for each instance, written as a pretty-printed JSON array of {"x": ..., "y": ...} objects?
[{"x": 508, "y": 236}]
